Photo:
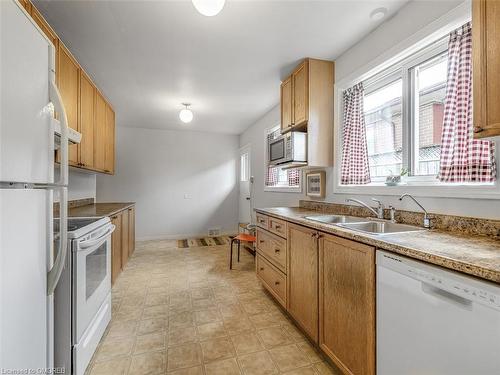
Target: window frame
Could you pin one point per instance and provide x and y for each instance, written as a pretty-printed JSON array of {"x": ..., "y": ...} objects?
[
  {"x": 280, "y": 188},
  {"x": 408, "y": 53}
]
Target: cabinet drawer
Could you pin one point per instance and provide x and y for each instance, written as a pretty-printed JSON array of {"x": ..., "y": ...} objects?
[
  {"x": 262, "y": 221},
  {"x": 277, "y": 226},
  {"x": 273, "y": 248},
  {"x": 272, "y": 278}
]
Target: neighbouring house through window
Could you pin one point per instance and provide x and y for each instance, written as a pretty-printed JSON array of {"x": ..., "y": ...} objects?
[
  {"x": 402, "y": 112},
  {"x": 277, "y": 177}
]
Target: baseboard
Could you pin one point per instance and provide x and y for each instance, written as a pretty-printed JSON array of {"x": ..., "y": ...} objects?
[{"x": 181, "y": 236}]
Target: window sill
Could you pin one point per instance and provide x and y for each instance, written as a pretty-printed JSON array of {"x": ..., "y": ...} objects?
[
  {"x": 283, "y": 189},
  {"x": 424, "y": 189}
]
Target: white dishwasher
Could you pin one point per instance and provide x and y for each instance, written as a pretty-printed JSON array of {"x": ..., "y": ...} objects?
[{"x": 431, "y": 321}]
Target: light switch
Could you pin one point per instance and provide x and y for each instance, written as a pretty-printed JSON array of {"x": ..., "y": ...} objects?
[{"x": 188, "y": 196}]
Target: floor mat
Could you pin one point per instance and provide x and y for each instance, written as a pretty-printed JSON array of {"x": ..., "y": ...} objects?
[{"x": 205, "y": 241}]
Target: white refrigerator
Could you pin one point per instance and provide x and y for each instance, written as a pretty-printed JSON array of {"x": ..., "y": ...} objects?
[{"x": 29, "y": 265}]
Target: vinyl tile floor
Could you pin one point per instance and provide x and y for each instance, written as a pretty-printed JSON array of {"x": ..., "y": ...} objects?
[{"x": 183, "y": 312}]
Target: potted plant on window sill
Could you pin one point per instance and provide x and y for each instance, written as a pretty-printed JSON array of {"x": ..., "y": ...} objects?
[{"x": 397, "y": 179}]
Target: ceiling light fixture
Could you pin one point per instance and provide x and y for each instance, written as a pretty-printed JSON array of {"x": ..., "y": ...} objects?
[
  {"x": 186, "y": 115},
  {"x": 208, "y": 8},
  {"x": 378, "y": 14}
]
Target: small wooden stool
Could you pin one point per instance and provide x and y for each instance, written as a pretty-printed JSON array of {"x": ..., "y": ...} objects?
[{"x": 239, "y": 238}]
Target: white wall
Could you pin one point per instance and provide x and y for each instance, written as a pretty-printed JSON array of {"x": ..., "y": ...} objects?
[
  {"x": 255, "y": 136},
  {"x": 81, "y": 185},
  {"x": 410, "y": 19},
  {"x": 183, "y": 182}
]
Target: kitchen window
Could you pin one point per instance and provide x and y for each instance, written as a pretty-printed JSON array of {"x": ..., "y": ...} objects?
[
  {"x": 393, "y": 122},
  {"x": 277, "y": 178},
  {"x": 403, "y": 110}
]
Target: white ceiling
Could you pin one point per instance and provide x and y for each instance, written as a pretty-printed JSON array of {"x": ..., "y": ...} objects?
[{"x": 150, "y": 56}]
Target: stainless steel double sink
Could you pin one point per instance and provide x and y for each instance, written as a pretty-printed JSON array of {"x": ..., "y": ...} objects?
[{"x": 366, "y": 225}]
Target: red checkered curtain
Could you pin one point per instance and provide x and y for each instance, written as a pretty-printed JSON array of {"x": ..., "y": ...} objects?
[
  {"x": 354, "y": 167},
  {"x": 272, "y": 176},
  {"x": 463, "y": 158},
  {"x": 293, "y": 177}
]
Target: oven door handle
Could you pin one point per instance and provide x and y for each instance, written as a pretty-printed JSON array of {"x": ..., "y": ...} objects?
[{"x": 98, "y": 241}]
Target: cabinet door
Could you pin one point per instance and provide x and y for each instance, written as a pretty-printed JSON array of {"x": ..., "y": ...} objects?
[
  {"x": 286, "y": 104},
  {"x": 300, "y": 83},
  {"x": 124, "y": 232},
  {"x": 109, "y": 149},
  {"x": 87, "y": 104},
  {"x": 68, "y": 82},
  {"x": 302, "y": 278},
  {"x": 131, "y": 230},
  {"x": 26, "y": 5},
  {"x": 99, "y": 132},
  {"x": 486, "y": 67},
  {"x": 116, "y": 246},
  {"x": 347, "y": 304}
]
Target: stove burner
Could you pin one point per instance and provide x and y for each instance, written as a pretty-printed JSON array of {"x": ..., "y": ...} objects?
[{"x": 75, "y": 223}]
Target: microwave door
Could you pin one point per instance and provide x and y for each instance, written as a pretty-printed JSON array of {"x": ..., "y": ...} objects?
[{"x": 277, "y": 151}]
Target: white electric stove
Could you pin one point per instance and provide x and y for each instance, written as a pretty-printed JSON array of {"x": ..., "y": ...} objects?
[{"x": 83, "y": 296}]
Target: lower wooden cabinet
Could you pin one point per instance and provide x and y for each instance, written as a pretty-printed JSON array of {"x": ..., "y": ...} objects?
[
  {"x": 116, "y": 247},
  {"x": 347, "y": 304},
  {"x": 302, "y": 278},
  {"x": 273, "y": 279},
  {"x": 131, "y": 231},
  {"x": 122, "y": 240}
]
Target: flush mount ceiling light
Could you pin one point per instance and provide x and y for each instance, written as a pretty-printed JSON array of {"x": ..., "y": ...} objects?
[
  {"x": 378, "y": 14},
  {"x": 208, "y": 8},
  {"x": 186, "y": 115}
]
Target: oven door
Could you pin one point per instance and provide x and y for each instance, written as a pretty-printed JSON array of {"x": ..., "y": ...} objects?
[{"x": 91, "y": 278}]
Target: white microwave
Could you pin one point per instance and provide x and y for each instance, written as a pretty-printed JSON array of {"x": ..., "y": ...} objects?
[{"x": 288, "y": 148}]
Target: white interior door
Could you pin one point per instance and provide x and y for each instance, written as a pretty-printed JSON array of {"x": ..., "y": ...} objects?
[{"x": 245, "y": 186}]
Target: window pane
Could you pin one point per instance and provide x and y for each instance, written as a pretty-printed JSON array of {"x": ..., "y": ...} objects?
[
  {"x": 430, "y": 80},
  {"x": 383, "y": 110},
  {"x": 244, "y": 167}
]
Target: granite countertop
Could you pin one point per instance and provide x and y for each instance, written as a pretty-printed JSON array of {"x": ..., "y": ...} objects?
[
  {"x": 98, "y": 209},
  {"x": 474, "y": 255}
]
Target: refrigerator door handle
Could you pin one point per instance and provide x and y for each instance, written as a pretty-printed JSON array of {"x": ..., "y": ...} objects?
[
  {"x": 56, "y": 270},
  {"x": 56, "y": 99}
]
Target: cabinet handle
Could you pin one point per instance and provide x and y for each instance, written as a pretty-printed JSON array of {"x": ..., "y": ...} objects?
[
  {"x": 276, "y": 283},
  {"x": 478, "y": 129},
  {"x": 276, "y": 251},
  {"x": 262, "y": 268},
  {"x": 114, "y": 217},
  {"x": 314, "y": 235},
  {"x": 277, "y": 226},
  {"x": 261, "y": 241}
]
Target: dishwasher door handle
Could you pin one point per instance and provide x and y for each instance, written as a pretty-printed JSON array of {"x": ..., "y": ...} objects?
[{"x": 447, "y": 296}]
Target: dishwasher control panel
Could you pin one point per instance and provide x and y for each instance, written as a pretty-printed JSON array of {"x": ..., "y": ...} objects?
[{"x": 452, "y": 282}]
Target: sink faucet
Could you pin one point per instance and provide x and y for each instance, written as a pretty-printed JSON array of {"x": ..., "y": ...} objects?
[
  {"x": 379, "y": 213},
  {"x": 427, "y": 220}
]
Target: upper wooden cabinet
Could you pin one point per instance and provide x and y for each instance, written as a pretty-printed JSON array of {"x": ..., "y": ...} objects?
[
  {"x": 302, "y": 278},
  {"x": 109, "y": 151},
  {"x": 307, "y": 105},
  {"x": 486, "y": 67},
  {"x": 104, "y": 136},
  {"x": 87, "y": 121},
  {"x": 347, "y": 304},
  {"x": 81, "y": 102},
  {"x": 68, "y": 82},
  {"x": 286, "y": 104},
  {"x": 300, "y": 83}
]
